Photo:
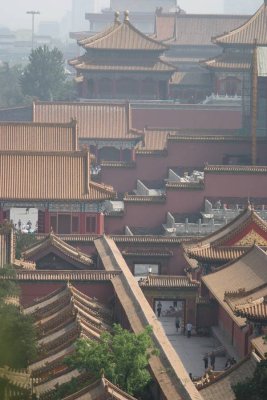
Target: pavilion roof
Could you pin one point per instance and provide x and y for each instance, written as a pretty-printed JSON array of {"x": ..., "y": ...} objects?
[
  {"x": 230, "y": 61},
  {"x": 85, "y": 63},
  {"x": 101, "y": 389},
  {"x": 96, "y": 120},
  {"x": 38, "y": 136},
  {"x": 232, "y": 240},
  {"x": 61, "y": 317},
  {"x": 194, "y": 29},
  {"x": 248, "y": 304},
  {"x": 51, "y": 242},
  {"x": 122, "y": 36},
  {"x": 255, "y": 29},
  {"x": 245, "y": 276},
  {"x": 49, "y": 176}
]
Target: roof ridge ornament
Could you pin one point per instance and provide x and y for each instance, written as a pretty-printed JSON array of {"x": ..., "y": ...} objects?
[
  {"x": 116, "y": 17},
  {"x": 126, "y": 15}
]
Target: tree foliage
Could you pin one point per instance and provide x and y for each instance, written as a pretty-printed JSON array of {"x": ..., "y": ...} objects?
[
  {"x": 44, "y": 76},
  {"x": 10, "y": 90},
  {"x": 23, "y": 242},
  {"x": 122, "y": 357},
  {"x": 254, "y": 388},
  {"x": 17, "y": 332}
]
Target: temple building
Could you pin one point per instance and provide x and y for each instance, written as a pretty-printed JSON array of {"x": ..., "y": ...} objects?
[
  {"x": 58, "y": 184},
  {"x": 235, "y": 288},
  {"x": 231, "y": 70},
  {"x": 105, "y": 128},
  {"x": 122, "y": 62},
  {"x": 228, "y": 243}
]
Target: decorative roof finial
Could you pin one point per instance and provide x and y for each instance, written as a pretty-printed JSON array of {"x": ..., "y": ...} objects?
[
  {"x": 116, "y": 16},
  {"x": 126, "y": 15}
]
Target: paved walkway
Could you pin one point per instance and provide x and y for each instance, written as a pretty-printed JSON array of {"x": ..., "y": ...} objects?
[{"x": 191, "y": 351}]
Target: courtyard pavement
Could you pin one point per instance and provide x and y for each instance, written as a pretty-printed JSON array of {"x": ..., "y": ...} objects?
[{"x": 191, "y": 350}]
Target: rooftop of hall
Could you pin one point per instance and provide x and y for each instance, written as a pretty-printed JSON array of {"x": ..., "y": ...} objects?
[
  {"x": 181, "y": 29},
  {"x": 53, "y": 175},
  {"x": 232, "y": 240},
  {"x": 38, "y": 136},
  {"x": 52, "y": 243},
  {"x": 95, "y": 119},
  {"x": 122, "y": 36},
  {"x": 61, "y": 317},
  {"x": 251, "y": 31},
  {"x": 246, "y": 274}
]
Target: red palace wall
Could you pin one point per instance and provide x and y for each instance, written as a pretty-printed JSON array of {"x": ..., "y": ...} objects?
[
  {"x": 217, "y": 185},
  {"x": 33, "y": 290},
  {"x": 186, "y": 117},
  {"x": 236, "y": 335},
  {"x": 179, "y": 154}
]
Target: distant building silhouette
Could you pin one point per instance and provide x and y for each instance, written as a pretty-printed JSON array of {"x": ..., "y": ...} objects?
[{"x": 241, "y": 6}]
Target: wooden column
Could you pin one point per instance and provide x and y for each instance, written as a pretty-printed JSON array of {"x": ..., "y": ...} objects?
[{"x": 47, "y": 227}]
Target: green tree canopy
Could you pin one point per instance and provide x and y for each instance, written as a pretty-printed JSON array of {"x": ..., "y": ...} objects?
[
  {"x": 17, "y": 332},
  {"x": 122, "y": 357},
  {"x": 254, "y": 388},
  {"x": 44, "y": 76},
  {"x": 10, "y": 90}
]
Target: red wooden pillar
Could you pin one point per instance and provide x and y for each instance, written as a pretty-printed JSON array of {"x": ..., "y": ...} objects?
[
  {"x": 96, "y": 154},
  {"x": 96, "y": 88},
  {"x": 133, "y": 154},
  {"x": 47, "y": 227},
  {"x": 121, "y": 154},
  {"x": 114, "y": 88},
  {"x": 1, "y": 215},
  {"x": 82, "y": 222},
  {"x": 100, "y": 224}
]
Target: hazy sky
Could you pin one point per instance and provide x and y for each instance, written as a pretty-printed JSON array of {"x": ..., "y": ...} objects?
[{"x": 13, "y": 12}]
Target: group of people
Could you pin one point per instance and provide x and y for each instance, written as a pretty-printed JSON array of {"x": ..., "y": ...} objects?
[{"x": 212, "y": 358}]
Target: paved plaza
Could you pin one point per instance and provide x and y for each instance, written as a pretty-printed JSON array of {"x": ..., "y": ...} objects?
[{"x": 191, "y": 351}]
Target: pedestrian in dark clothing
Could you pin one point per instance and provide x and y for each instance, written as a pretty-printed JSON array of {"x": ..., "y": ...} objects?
[
  {"x": 159, "y": 307},
  {"x": 206, "y": 361},
  {"x": 212, "y": 360},
  {"x": 177, "y": 323}
]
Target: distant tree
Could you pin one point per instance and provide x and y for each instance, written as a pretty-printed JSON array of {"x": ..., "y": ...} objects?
[
  {"x": 10, "y": 90},
  {"x": 23, "y": 242},
  {"x": 122, "y": 357},
  {"x": 44, "y": 76},
  {"x": 254, "y": 388},
  {"x": 17, "y": 332}
]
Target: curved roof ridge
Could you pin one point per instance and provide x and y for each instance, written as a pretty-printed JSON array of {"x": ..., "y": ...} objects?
[
  {"x": 206, "y": 241},
  {"x": 95, "y": 41},
  {"x": 100, "y": 35},
  {"x": 227, "y": 38},
  {"x": 53, "y": 239}
]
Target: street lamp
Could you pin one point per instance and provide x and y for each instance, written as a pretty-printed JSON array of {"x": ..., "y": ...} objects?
[{"x": 33, "y": 13}]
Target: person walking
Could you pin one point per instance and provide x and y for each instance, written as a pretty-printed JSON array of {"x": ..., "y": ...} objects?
[
  {"x": 159, "y": 307},
  {"x": 212, "y": 360},
  {"x": 206, "y": 361},
  {"x": 177, "y": 323},
  {"x": 189, "y": 327}
]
